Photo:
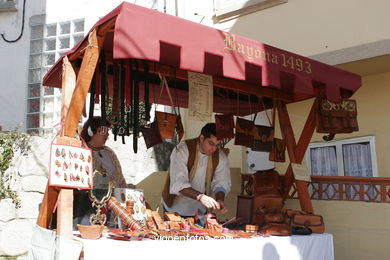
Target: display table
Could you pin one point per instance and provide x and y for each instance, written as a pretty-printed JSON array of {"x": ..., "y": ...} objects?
[{"x": 315, "y": 246}]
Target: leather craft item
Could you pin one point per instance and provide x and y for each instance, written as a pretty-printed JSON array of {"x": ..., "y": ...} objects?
[
  {"x": 277, "y": 217},
  {"x": 314, "y": 222},
  {"x": 336, "y": 118},
  {"x": 122, "y": 80},
  {"x": 121, "y": 211},
  {"x": 166, "y": 121},
  {"x": 278, "y": 152},
  {"x": 136, "y": 108},
  {"x": 179, "y": 127},
  {"x": 267, "y": 183},
  {"x": 103, "y": 84},
  {"x": 92, "y": 97},
  {"x": 245, "y": 132},
  {"x": 276, "y": 229},
  {"x": 97, "y": 84},
  {"x": 224, "y": 125},
  {"x": 146, "y": 91},
  {"x": 151, "y": 134},
  {"x": 265, "y": 140},
  {"x": 115, "y": 99}
]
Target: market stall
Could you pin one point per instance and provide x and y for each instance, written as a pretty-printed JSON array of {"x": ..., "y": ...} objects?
[{"x": 140, "y": 47}]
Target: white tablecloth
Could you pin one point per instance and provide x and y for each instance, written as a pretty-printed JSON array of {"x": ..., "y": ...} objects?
[{"x": 315, "y": 247}]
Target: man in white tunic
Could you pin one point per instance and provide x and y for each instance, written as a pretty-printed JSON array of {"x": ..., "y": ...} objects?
[{"x": 198, "y": 171}]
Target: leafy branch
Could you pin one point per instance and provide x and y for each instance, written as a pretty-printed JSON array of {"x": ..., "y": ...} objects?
[{"x": 11, "y": 143}]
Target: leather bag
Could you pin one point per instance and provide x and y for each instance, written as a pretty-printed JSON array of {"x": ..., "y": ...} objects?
[
  {"x": 245, "y": 132},
  {"x": 276, "y": 217},
  {"x": 276, "y": 229},
  {"x": 267, "y": 183},
  {"x": 151, "y": 134},
  {"x": 224, "y": 125},
  {"x": 336, "y": 118},
  {"x": 166, "y": 121},
  {"x": 278, "y": 152},
  {"x": 314, "y": 222},
  {"x": 265, "y": 134},
  {"x": 265, "y": 138}
]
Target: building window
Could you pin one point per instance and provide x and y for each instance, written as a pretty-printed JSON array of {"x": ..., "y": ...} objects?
[
  {"x": 348, "y": 157},
  {"x": 230, "y": 9},
  {"x": 48, "y": 42},
  {"x": 354, "y": 157}
]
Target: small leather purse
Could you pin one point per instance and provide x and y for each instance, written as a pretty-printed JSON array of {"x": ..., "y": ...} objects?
[
  {"x": 278, "y": 152},
  {"x": 151, "y": 134},
  {"x": 166, "y": 121},
  {"x": 245, "y": 132},
  {"x": 224, "y": 125},
  {"x": 314, "y": 222},
  {"x": 263, "y": 140}
]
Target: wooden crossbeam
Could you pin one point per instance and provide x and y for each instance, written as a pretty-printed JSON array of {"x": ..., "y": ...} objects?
[{"x": 296, "y": 152}]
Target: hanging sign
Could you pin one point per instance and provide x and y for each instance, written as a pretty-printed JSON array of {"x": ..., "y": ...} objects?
[
  {"x": 200, "y": 96},
  {"x": 70, "y": 166},
  {"x": 301, "y": 172}
]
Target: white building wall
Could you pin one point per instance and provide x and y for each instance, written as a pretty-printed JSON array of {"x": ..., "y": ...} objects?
[{"x": 14, "y": 57}]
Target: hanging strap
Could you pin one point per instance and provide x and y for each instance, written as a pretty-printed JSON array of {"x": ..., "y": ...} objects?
[
  {"x": 146, "y": 91},
  {"x": 122, "y": 79},
  {"x": 115, "y": 99},
  {"x": 136, "y": 108},
  {"x": 92, "y": 97},
  {"x": 164, "y": 83},
  {"x": 103, "y": 84},
  {"x": 97, "y": 84}
]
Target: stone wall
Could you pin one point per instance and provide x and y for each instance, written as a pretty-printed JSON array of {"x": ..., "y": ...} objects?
[{"x": 31, "y": 180}]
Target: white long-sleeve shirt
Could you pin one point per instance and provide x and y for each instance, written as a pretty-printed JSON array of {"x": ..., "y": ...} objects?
[{"x": 179, "y": 176}]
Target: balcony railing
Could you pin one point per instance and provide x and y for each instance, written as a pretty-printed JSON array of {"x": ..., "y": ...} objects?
[{"x": 368, "y": 189}]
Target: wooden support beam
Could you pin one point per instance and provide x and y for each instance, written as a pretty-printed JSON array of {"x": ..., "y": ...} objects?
[
  {"x": 301, "y": 147},
  {"x": 288, "y": 136},
  {"x": 83, "y": 82},
  {"x": 47, "y": 206}
]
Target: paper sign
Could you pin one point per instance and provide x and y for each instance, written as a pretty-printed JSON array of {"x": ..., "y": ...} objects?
[
  {"x": 301, "y": 172},
  {"x": 200, "y": 96}
]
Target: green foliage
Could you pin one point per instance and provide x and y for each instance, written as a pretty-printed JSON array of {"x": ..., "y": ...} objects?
[{"x": 10, "y": 143}]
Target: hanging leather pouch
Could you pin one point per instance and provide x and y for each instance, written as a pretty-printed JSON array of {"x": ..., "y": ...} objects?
[
  {"x": 224, "y": 125},
  {"x": 245, "y": 132},
  {"x": 166, "y": 121},
  {"x": 278, "y": 152},
  {"x": 151, "y": 134},
  {"x": 263, "y": 143},
  {"x": 336, "y": 118}
]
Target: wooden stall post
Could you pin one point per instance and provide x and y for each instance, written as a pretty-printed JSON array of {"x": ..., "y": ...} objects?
[{"x": 293, "y": 149}]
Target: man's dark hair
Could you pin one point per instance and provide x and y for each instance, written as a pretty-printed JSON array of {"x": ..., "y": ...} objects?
[{"x": 209, "y": 130}]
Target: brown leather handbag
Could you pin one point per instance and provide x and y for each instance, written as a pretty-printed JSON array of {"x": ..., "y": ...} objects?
[
  {"x": 263, "y": 141},
  {"x": 224, "y": 125},
  {"x": 151, "y": 134},
  {"x": 267, "y": 183},
  {"x": 265, "y": 138},
  {"x": 278, "y": 152},
  {"x": 276, "y": 217},
  {"x": 314, "y": 222},
  {"x": 166, "y": 121},
  {"x": 245, "y": 132},
  {"x": 336, "y": 118}
]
